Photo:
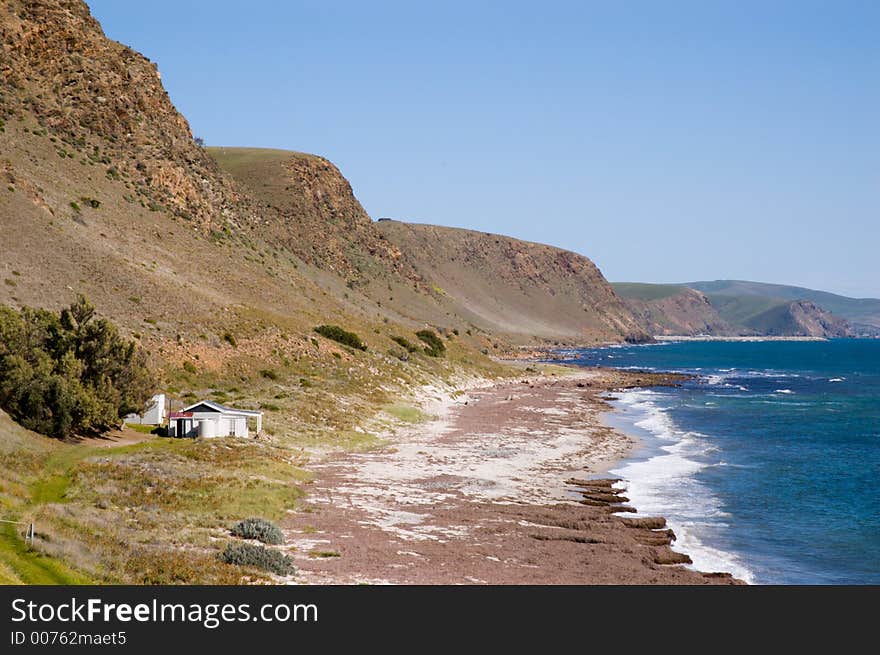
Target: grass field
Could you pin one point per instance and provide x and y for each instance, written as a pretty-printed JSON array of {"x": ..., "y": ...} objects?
[{"x": 641, "y": 291}]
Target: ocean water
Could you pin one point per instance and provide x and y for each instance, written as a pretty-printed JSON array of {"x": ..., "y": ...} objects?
[{"x": 767, "y": 464}]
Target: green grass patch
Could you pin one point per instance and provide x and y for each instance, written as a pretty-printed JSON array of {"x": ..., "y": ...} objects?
[
  {"x": 50, "y": 489},
  {"x": 406, "y": 413},
  {"x": 143, "y": 429},
  {"x": 21, "y": 565},
  {"x": 642, "y": 291},
  {"x": 324, "y": 553}
]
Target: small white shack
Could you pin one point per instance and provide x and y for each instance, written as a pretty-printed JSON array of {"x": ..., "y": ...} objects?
[
  {"x": 208, "y": 419},
  {"x": 155, "y": 414}
]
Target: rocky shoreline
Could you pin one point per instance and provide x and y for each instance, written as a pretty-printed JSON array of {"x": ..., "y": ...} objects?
[{"x": 504, "y": 485}]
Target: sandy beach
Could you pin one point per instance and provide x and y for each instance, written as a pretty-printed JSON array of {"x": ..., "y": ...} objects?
[{"x": 502, "y": 484}]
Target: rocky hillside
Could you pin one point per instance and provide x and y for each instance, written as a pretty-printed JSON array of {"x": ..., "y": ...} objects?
[
  {"x": 799, "y": 318},
  {"x": 103, "y": 104},
  {"x": 665, "y": 309},
  {"x": 514, "y": 287},
  {"x": 862, "y": 313},
  {"x": 673, "y": 310},
  {"x": 106, "y": 192},
  {"x": 447, "y": 278},
  {"x": 221, "y": 273},
  {"x": 314, "y": 213}
]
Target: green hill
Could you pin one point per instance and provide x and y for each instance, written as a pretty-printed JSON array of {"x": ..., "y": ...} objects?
[
  {"x": 858, "y": 311},
  {"x": 728, "y": 308},
  {"x": 643, "y": 291}
]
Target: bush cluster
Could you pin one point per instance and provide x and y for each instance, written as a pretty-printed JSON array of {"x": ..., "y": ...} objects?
[
  {"x": 69, "y": 373},
  {"x": 435, "y": 347},
  {"x": 259, "y": 529},
  {"x": 259, "y": 557},
  {"x": 340, "y": 335},
  {"x": 408, "y": 345}
]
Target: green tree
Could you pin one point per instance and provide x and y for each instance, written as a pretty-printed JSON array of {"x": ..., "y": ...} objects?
[{"x": 69, "y": 372}]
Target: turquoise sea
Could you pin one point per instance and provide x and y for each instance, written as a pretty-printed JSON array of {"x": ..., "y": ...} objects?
[{"x": 767, "y": 464}]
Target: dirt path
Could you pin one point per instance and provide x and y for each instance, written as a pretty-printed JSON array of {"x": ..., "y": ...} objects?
[
  {"x": 479, "y": 495},
  {"x": 123, "y": 437}
]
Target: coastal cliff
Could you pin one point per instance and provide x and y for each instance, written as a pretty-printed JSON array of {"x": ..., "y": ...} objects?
[
  {"x": 530, "y": 291},
  {"x": 673, "y": 310},
  {"x": 230, "y": 276},
  {"x": 664, "y": 310}
]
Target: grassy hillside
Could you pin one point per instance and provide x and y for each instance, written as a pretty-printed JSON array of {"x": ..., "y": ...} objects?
[
  {"x": 526, "y": 291},
  {"x": 740, "y": 310},
  {"x": 22, "y": 454},
  {"x": 856, "y": 310},
  {"x": 105, "y": 193},
  {"x": 642, "y": 291},
  {"x": 666, "y": 309},
  {"x": 487, "y": 285},
  {"x": 221, "y": 272},
  {"x": 313, "y": 212}
]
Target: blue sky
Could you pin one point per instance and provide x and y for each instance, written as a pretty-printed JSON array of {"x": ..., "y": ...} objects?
[{"x": 668, "y": 141}]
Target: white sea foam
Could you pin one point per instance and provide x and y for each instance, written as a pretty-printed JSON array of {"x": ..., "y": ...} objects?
[
  {"x": 769, "y": 373},
  {"x": 783, "y": 391},
  {"x": 837, "y": 379},
  {"x": 656, "y": 344},
  {"x": 664, "y": 485}
]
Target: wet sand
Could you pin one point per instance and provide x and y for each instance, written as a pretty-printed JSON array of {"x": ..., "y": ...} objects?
[{"x": 502, "y": 486}]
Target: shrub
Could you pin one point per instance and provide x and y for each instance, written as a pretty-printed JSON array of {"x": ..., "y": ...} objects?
[
  {"x": 405, "y": 343},
  {"x": 259, "y": 529},
  {"x": 189, "y": 367},
  {"x": 339, "y": 335},
  {"x": 69, "y": 373},
  {"x": 324, "y": 553},
  {"x": 269, "y": 374},
  {"x": 435, "y": 347},
  {"x": 259, "y": 557},
  {"x": 402, "y": 355},
  {"x": 177, "y": 566},
  {"x": 75, "y": 206},
  {"x": 229, "y": 338}
]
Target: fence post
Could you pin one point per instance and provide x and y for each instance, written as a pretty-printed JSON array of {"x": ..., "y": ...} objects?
[{"x": 29, "y": 537}]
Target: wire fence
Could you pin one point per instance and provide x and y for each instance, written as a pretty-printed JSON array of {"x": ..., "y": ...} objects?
[{"x": 28, "y": 535}]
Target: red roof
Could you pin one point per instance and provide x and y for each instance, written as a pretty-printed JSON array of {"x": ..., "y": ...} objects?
[{"x": 180, "y": 415}]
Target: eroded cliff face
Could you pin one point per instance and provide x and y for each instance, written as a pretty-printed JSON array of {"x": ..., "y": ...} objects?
[
  {"x": 686, "y": 313},
  {"x": 800, "y": 318},
  {"x": 312, "y": 211},
  {"x": 516, "y": 287},
  {"x": 109, "y": 190},
  {"x": 433, "y": 275},
  {"x": 103, "y": 103},
  {"x": 689, "y": 312}
]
